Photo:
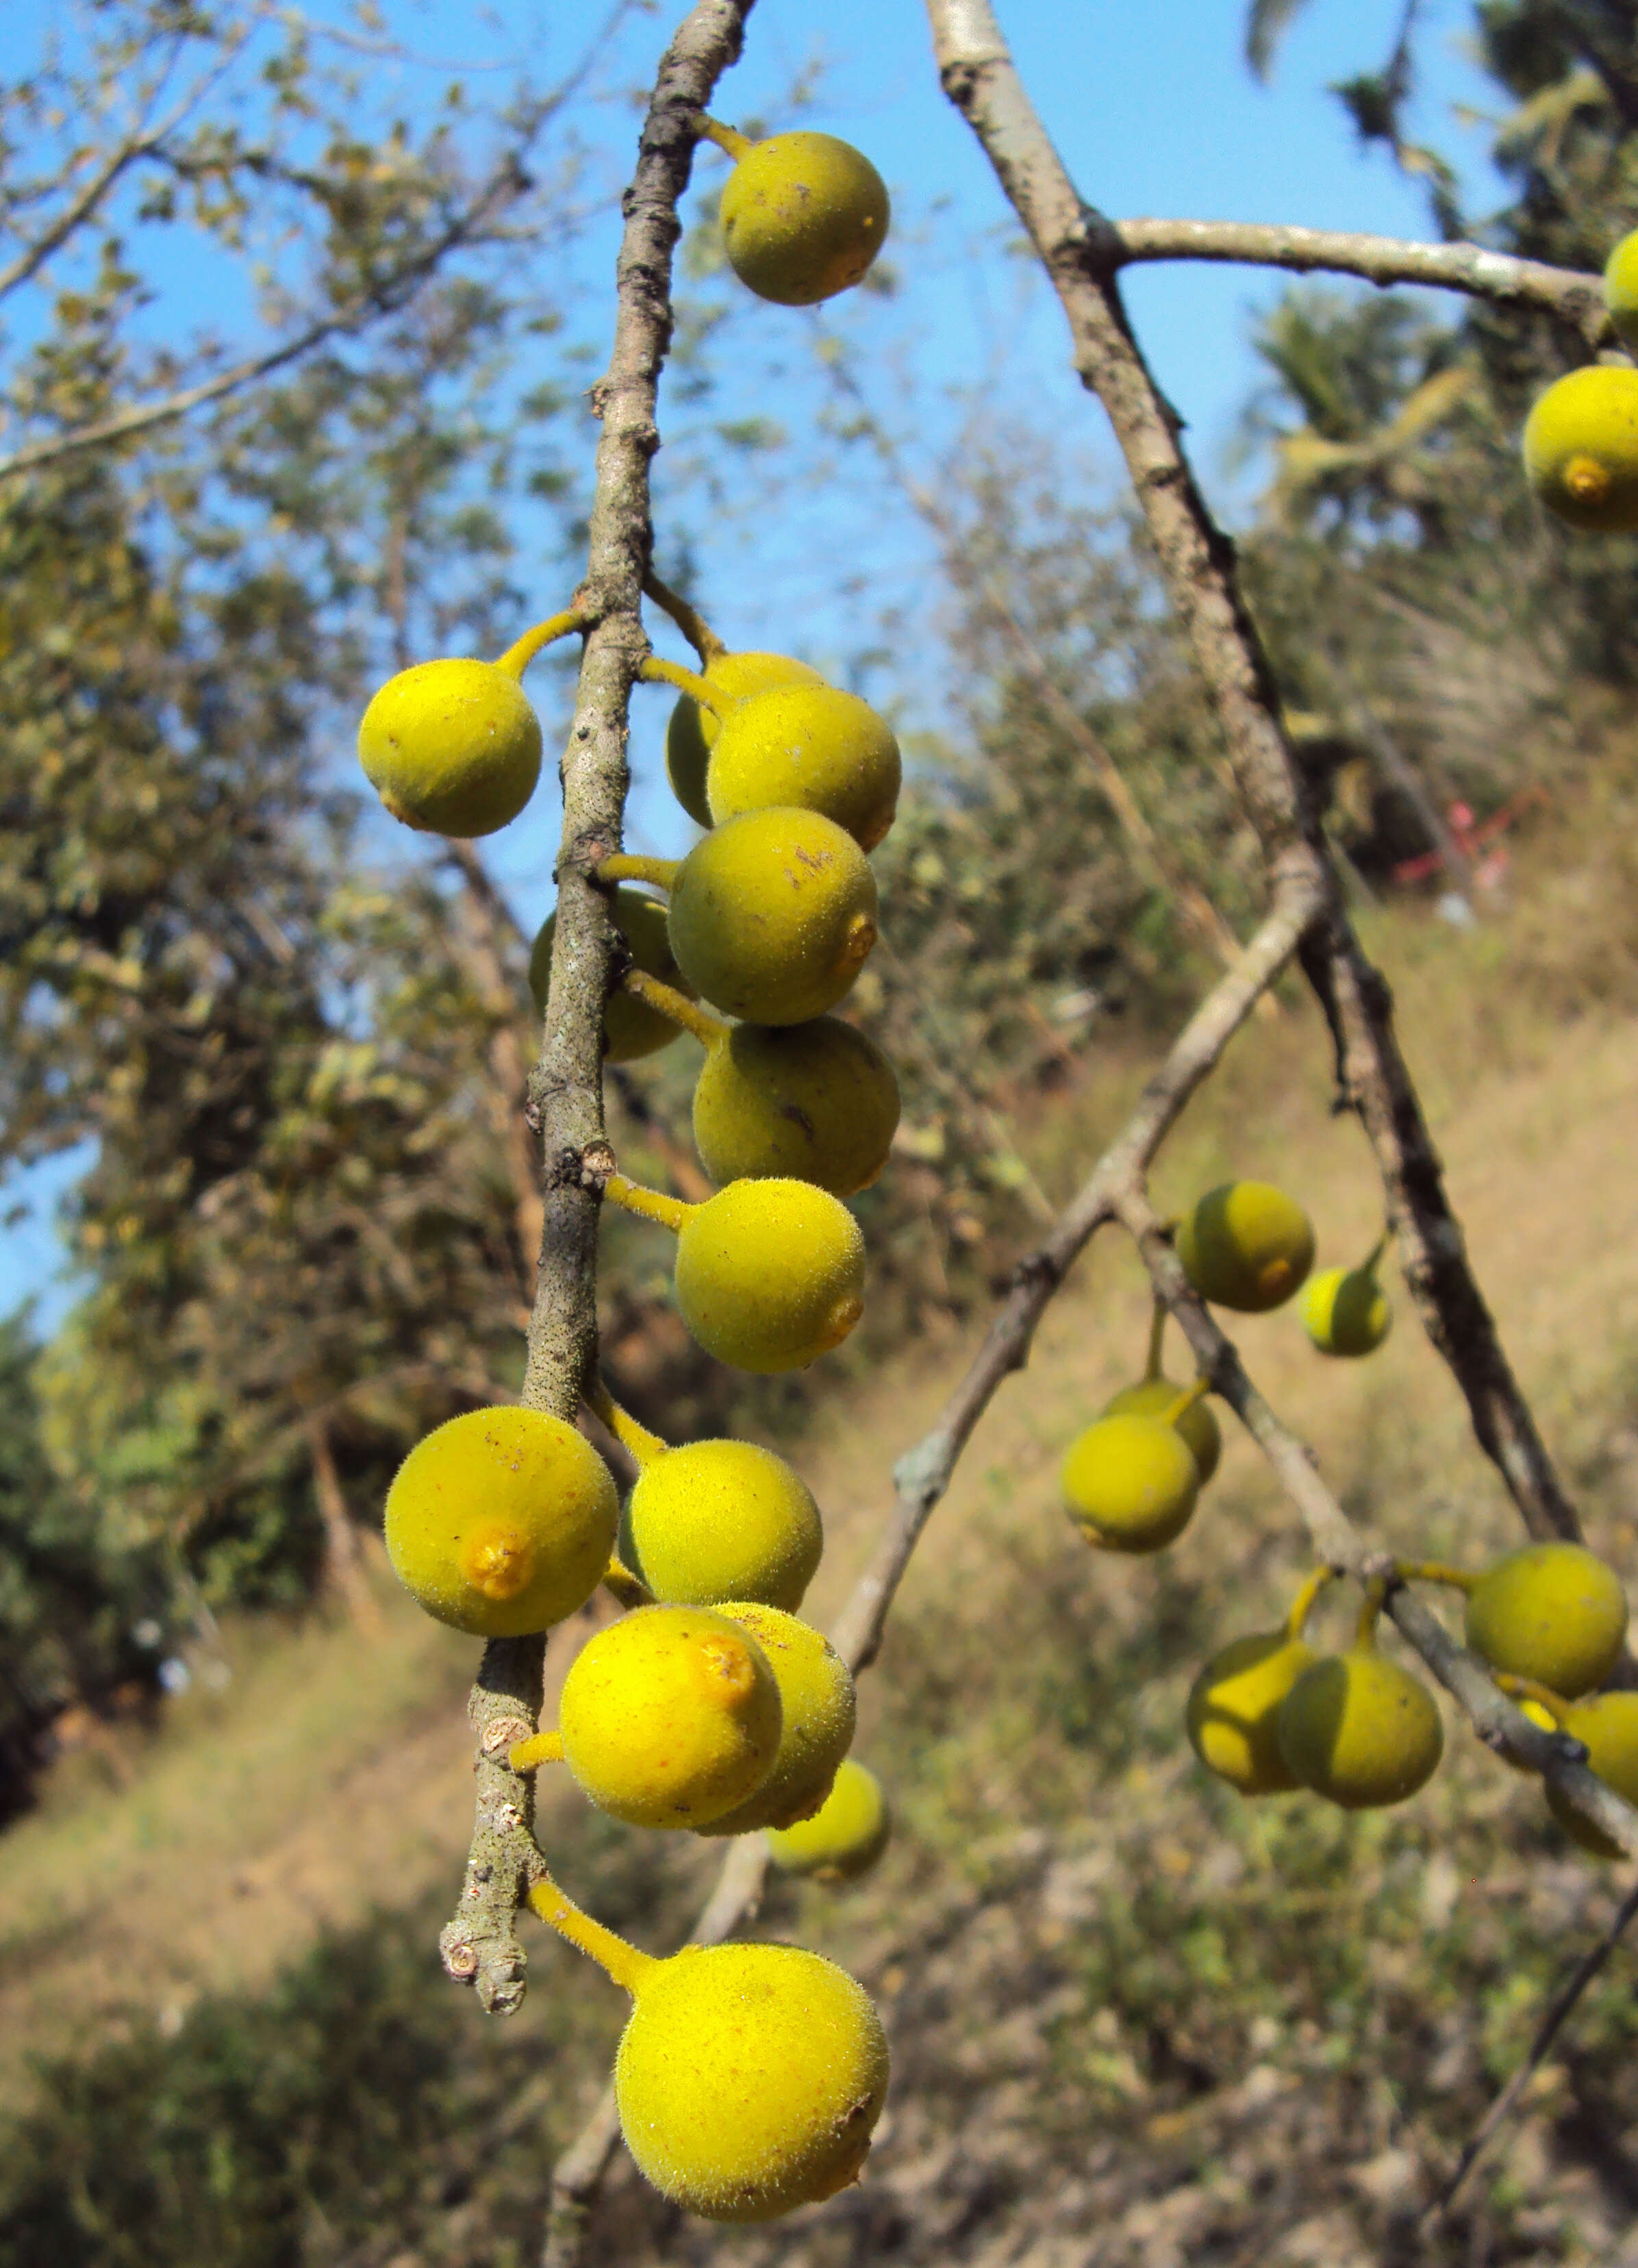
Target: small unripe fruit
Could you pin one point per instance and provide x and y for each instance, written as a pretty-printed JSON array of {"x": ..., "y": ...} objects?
[
  {"x": 1361, "y": 1731},
  {"x": 803, "y": 215},
  {"x": 691, "y": 734},
  {"x": 770, "y": 1275},
  {"x": 1620, "y": 289},
  {"x": 452, "y": 747},
  {"x": 670, "y": 1717},
  {"x": 813, "y": 1102},
  {"x": 1580, "y": 449},
  {"x": 1551, "y": 1612},
  {"x": 721, "y": 1520},
  {"x": 819, "y": 1711},
  {"x": 773, "y": 915},
  {"x": 632, "y": 1029},
  {"x": 1233, "y": 1714},
  {"x": 812, "y": 746},
  {"x": 1153, "y": 1397},
  {"x": 1345, "y": 1311},
  {"x": 1246, "y": 1245},
  {"x": 748, "y": 2079},
  {"x": 846, "y": 1836},
  {"x": 1130, "y": 1483},
  {"x": 501, "y": 1521},
  {"x": 1608, "y": 1724}
]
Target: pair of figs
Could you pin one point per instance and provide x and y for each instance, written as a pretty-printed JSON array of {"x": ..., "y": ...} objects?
[
  {"x": 1267, "y": 1714},
  {"x": 1580, "y": 439},
  {"x": 1249, "y": 1246}
]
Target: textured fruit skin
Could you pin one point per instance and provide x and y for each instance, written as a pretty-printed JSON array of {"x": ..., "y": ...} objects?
[
  {"x": 670, "y": 1717},
  {"x": 1580, "y": 449},
  {"x": 1553, "y": 1612},
  {"x": 1246, "y": 1245},
  {"x": 846, "y": 1836},
  {"x": 1130, "y": 1483},
  {"x": 803, "y": 215},
  {"x": 722, "y": 1519},
  {"x": 632, "y": 1029},
  {"x": 1153, "y": 1397},
  {"x": 816, "y": 1696},
  {"x": 1345, "y": 1311},
  {"x": 748, "y": 2079},
  {"x": 1620, "y": 289},
  {"x": 773, "y": 915},
  {"x": 1359, "y": 1730},
  {"x": 810, "y": 745},
  {"x": 452, "y": 747},
  {"x": 692, "y": 732},
  {"x": 770, "y": 1275},
  {"x": 1234, "y": 1710},
  {"x": 501, "y": 1521},
  {"x": 1608, "y": 1723},
  {"x": 813, "y": 1103}
]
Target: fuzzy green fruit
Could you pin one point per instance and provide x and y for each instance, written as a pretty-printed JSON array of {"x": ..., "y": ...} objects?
[
  {"x": 1580, "y": 449},
  {"x": 501, "y": 1521},
  {"x": 1345, "y": 1311},
  {"x": 670, "y": 1717},
  {"x": 812, "y": 746},
  {"x": 816, "y": 1102},
  {"x": 452, "y": 747},
  {"x": 1130, "y": 1483},
  {"x": 1361, "y": 1731},
  {"x": 846, "y": 1836},
  {"x": 1233, "y": 1714},
  {"x": 770, "y": 1275},
  {"x": 1246, "y": 1245},
  {"x": 1551, "y": 1612},
  {"x": 773, "y": 915},
  {"x": 1608, "y": 1723},
  {"x": 819, "y": 1711},
  {"x": 1153, "y": 1397},
  {"x": 692, "y": 732},
  {"x": 748, "y": 2079},
  {"x": 721, "y": 1520},
  {"x": 803, "y": 215},
  {"x": 632, "y": 1029}
]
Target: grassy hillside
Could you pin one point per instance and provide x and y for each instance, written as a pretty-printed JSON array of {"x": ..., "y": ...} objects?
[{"x": 1134, "y": 2021}]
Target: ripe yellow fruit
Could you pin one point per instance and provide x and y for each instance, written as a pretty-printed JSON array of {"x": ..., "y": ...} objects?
[
  {"x": 815, "y": 1102},
  {"x": 1608, "y": 1723},
  {"x": 1153, "y": 1397},
  {"x": 632, "y": 1029},
  {"x": 1130, "y": 1483},
  {"x": 501, "y": 1521},
  {"x": 774, "y": 915},
  {"x": 1551, "y": 1612},
  {"x": 820, "y": 1711},
  {"x": 748, "y": 2079},
  {"x": 1580, "y": 449},
  {"x": 1234, "y": 1710},
  {"x": 670, "y": 1717},
  {"x": 1345, "y": 1311},
  {"x": 721, "y": 1520},
  {"x": 846, "y": 1836},
  {"x": 770, "y": 1275},
  {"x": 1361, "y": 1731},
  {"x": 803, "y": 215},
  {"x": 1246, "y": 1245},
  {"x": 692, "y": 732},
  {"x": 812, "y": 746},
  {"x": 452, "y": 747},
  {"x": 1620, "y": 289}
]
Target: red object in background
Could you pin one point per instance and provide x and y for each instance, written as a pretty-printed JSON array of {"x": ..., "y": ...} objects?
[{"x": 1469, "y": 837}]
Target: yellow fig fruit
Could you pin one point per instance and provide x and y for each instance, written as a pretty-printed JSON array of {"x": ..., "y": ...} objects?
[
  {"x": 1580, "y": 449},
  {"x": 1359, "y": 1731},
  {"x": 1345, "y": 1311},
  {"x": 692, "y": 732},
  {"x": 1153, "y": 1397},
  {"x": 1130, "y": 1483},
  {"x": 1620, "y": 289},
  {"x": 1233, "y": 1714},
  {"x": 501, "y": 1521},
  {"x": 1608, "y": 1724},
  {"x": 846, "y": 1834},
  {"x": 770, "y": 1275},
  {"x": 452, "y": 747},
  {"x": 773, "y": 915},
  {"x": 1551, "y": 1612},
  {"x": 819, "y": 1711},
  {"x": 812, "y": 1102},
  {"x": 721, "y": 1520},
  {"x": 810, "y": 747},
  {"x": 632, "y": 1029},
  {"x": 803, "y": 215},
  {"x": 1246, "y": 1245}
]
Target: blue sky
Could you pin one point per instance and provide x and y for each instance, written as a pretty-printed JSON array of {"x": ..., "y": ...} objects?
[{"x": 1155, "y": 113}]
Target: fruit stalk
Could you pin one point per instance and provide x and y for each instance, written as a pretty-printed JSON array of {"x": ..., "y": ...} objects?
[
  {"x": 712, "y": 1030},
  {"x": 539, "y": 1748},
  {"x": 693, "y": 626},
  {"x": 517, "y": 657},
  {"x": 627, "y": 866},
  {"x": 648, "y": 1205},
  {"x": 658, "y": 671},
  {"x": 1302, "y": 1605},
  {"x": 624, "y": 1962},
  {"x": 638, "y": 1443},
  {"x": 727, "y": 139}
]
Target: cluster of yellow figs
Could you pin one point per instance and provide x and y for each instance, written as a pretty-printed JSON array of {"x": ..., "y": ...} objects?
[
  {"x": 1267, "y": 1713},
  {"x": 748, "y": 2077},
  {"x": 1580, "y": 439}
]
